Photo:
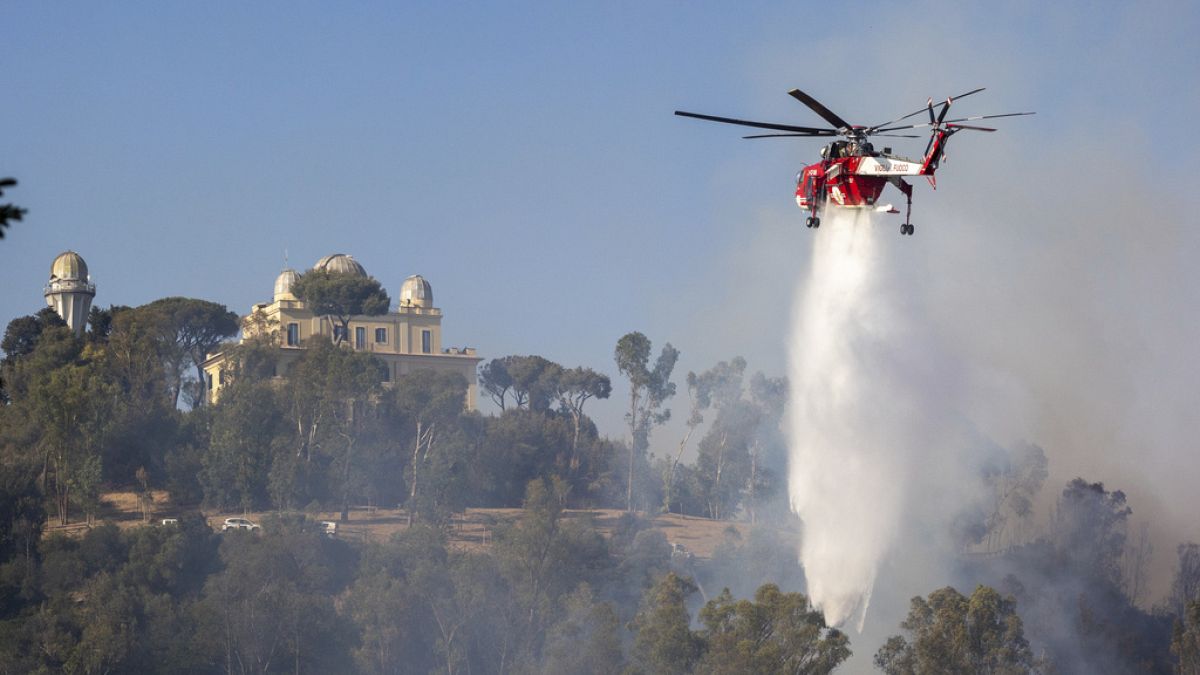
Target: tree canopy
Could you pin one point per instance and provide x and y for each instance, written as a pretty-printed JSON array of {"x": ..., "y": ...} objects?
[{"x": 341, "y": 296}]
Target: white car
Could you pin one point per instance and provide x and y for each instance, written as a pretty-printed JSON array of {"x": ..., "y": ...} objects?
[{"x": 238, "y": 524}]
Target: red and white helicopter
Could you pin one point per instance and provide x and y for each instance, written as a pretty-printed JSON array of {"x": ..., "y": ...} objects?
[{"x": 851, "y": 173}]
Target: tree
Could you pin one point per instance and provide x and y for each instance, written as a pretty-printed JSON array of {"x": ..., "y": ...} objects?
[
  {"x": 586, "y": 641},
  {"x": 1014, "y": 483},
  {"x": 1185, "y": 587},
  {"x": 341, "y": 296},
  {"x": 699, "y": 401},
  {"x": 247, "y": 431},
  {"x": 495, "y": 379},
  {"x": 1185, "y": 641},
  {"x": 544, "y": 556},
  {"x": 721, "y": 388},
  {"x": 8, "y": 212},
  {"x": 531, "y": 380},
  {"x": 1089, "y": 528},
  {"x": 776, "y": 633},
  {"x": 949, "y": 633},
  {"x": 271, "y": 608},
  {"x": 663, "y": 644},
  {"x": 20, "y": 340},
  {"x": 648, "y": 391},
  {"x": 574, "y": 388},
  {"x": 22, "y": 333},
  {"x": 404, "y": 603},
  {"x": 327, "y": 401},
  {"x": 195, "y": 327},
  {"x": 768, "y": 449},
  {"x": 424, "y": 404},
  {"x": 73, "y": 406}
]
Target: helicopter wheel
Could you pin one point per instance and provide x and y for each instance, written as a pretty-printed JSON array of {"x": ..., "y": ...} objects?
[
  {"x": 906, "y": 228},
  {"x": 808, "y": 222},
  {"x": 816, "y": 221}
]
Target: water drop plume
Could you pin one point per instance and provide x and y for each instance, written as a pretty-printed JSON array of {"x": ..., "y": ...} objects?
[{"x": 867, "y": 422}]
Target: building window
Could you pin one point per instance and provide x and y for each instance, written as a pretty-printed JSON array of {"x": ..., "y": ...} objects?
[
  {"x": 381, "y": 335},
  {"x": 387, "y": 374},
  {"x": 426, "y": 342},
  {"x": 293, "y": 334},
  {"x": 360, "y": 338}
]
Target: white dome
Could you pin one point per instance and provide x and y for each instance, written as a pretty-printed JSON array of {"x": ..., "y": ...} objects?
[
  {"x": 68, "y": 266},
  {"x": 340, "y": 263},
  {"x": 416, "y": 292},
  {"x": 284, "y": 283}
]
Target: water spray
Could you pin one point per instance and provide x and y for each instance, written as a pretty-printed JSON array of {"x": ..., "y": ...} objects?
[{"x": 861, "y": 423}]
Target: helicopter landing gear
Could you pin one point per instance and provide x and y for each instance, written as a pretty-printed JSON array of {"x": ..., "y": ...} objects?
[
  {"x": 906, "y": 228},
  {"x": 812, "y": 221}
]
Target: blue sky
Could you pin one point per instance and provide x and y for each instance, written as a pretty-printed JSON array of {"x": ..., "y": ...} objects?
[{"x": 523, "y": 156}]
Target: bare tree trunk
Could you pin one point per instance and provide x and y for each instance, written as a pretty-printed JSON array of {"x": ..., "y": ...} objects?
[
  {"x": 714, "y": 504},
  {"x": 753, "y": 480},
  {"x": 670, "y": 479},
  {"x": 633, "y": 425},
  {"x": 412, "y": 494},
  {"x": 424, "y": 438}
]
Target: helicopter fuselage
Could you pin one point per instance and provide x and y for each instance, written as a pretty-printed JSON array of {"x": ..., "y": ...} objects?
[{"x": 852, "y": 182}]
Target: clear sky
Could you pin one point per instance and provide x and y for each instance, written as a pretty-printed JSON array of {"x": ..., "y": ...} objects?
[{"x": 524, "y": 159}]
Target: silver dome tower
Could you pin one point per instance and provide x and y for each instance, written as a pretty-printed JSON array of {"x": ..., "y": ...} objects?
[{"x": 70, "y": 290}]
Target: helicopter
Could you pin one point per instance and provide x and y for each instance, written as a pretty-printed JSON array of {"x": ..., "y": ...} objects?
[{"x": 851, "y": 173}]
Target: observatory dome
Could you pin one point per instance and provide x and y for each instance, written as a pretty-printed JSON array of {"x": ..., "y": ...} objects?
[
  {"x": 416, "y": 292},
  {"x": 68, "y": 266},
  {"x": 284, "y": 283},
  {"x": 340, "y": 263}
]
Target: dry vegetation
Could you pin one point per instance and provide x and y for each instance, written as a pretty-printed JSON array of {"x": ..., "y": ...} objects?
[{"x": 470, "y": 530}]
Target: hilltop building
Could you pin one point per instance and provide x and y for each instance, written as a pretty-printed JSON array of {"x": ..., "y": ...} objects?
[
  {"x": 70, "y": 290},
  {"x": 406, "y": 339}
]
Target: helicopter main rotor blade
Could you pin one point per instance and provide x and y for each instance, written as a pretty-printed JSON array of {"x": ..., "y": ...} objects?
[
  {"x": 760, "y": 125},
  {"x": 961, "y": 119},
  {"x": 967, "y": 126},
  {"x": 928, "y": 106},
  {"x": 794, "y": 135},
  {"x": 821, "y": 110}
]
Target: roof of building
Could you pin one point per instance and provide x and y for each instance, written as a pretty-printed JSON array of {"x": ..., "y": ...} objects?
[
  {"x": 340, "y": 263},
  {"x": 68, "y": 266},
  {"x": 284, "y": 283},
  {"x": 416, "y": 291}
]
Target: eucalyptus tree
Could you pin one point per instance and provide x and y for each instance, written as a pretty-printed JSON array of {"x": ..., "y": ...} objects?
[
  {"x": 328, "y": 399},
  {"x": 649, "y": 389},
  {"x": 425, "y": 405},
  {"x": 951, "y": 633}
]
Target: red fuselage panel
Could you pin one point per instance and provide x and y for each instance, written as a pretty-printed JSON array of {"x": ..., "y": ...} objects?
[{"x": 836, "y": 183}]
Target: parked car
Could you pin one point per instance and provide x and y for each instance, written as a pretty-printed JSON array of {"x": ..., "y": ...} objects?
[
  {"x": 238, "y": 524},
  {"x": 170, "y": 521},
  {"x": 329, "y": 527},
  {"x": 680, "y": 552}
]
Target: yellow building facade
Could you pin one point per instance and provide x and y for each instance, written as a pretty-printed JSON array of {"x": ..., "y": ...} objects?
[{"x": 406, "y": 339}]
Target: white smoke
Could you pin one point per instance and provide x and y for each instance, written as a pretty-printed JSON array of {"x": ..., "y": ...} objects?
[{"x": 876, "y": 442}]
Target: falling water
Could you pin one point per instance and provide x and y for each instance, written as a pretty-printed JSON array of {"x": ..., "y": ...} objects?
[{"x": 858, "y": 422}]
